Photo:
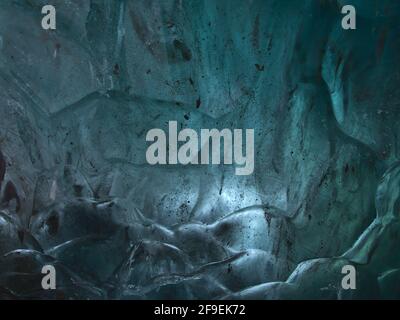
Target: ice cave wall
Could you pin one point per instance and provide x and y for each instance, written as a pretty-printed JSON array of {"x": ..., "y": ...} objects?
[{"x": 76, "y": 190}]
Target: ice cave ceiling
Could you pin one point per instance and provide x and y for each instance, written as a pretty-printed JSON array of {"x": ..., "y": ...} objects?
[{"x": 77, "y": 193}]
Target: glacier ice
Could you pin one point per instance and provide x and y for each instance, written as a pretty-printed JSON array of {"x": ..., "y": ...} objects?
[{"x": 77, "y": 192}]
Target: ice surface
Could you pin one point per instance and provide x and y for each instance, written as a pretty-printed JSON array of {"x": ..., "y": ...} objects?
[{"x": 77, "y": 192}]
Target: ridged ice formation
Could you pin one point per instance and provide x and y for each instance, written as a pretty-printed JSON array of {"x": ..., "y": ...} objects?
[{"x": 76, "y": 191}]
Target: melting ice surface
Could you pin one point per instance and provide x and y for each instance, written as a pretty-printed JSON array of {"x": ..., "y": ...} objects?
[{"x": 77, "y": 193}]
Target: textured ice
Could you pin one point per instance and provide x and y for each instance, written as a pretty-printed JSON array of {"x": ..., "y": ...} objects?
[{"x": 77, "y": 193}]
